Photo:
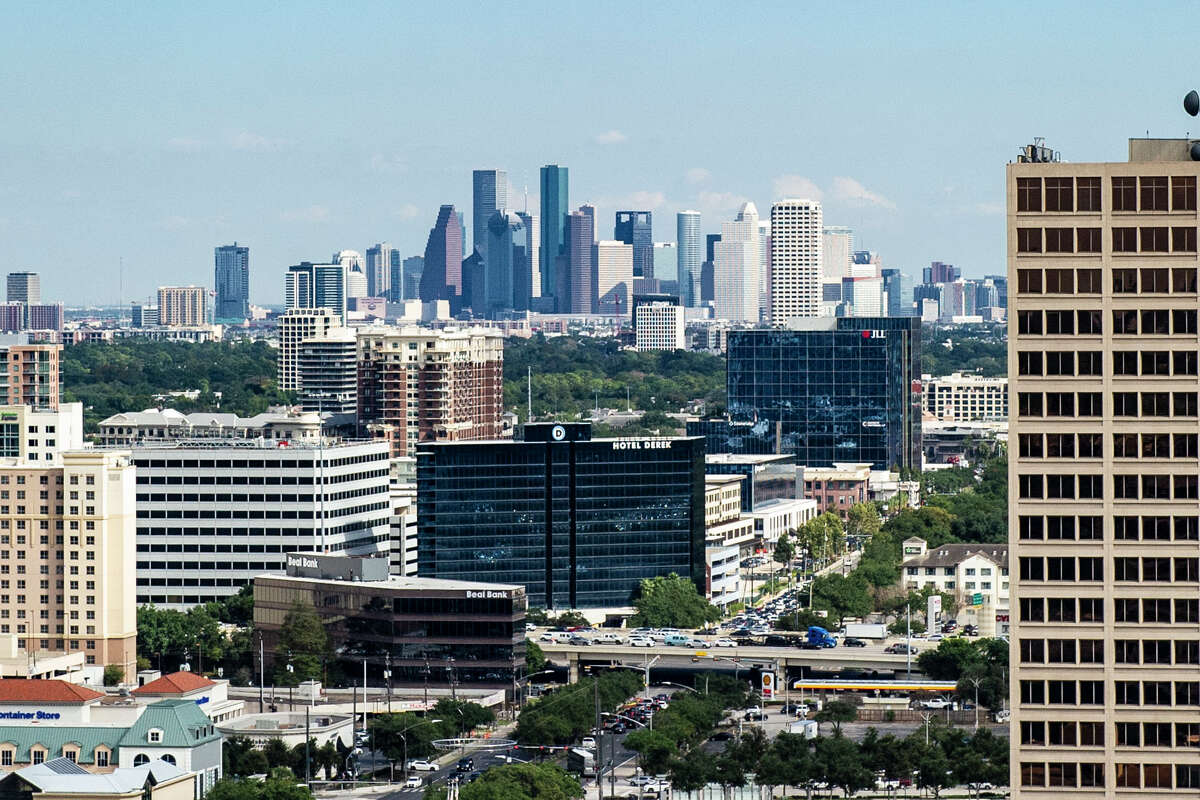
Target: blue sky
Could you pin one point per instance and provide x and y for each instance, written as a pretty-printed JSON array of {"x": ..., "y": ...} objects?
[{"x": 151, "y": 132}]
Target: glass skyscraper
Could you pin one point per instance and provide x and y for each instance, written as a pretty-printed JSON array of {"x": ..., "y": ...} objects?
[
  {"x": 690, "y": 248},
  {"x": 841, "y": 390},
  {"x": 578, "y": 522},
  {"x": 489, "y": 194},
  {"x": 232, "y": 283},
  {"x": 636, "y": 228},
  {"x": 554, "y": 212}
]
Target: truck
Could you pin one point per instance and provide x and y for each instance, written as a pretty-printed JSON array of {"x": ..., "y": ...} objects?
[
  {"x": 805, "y": 728},
  {"x": 866, "y": 630},
  {"x": 820, "y": 637},
  {"x": 581, "y": 762}
]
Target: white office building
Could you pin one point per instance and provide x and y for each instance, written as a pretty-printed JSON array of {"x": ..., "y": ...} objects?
[
  {"x": 296, "y": 326},
  {"x": 690, "y": 249},
  {"x": 213, "y": 514},
  {"x": 659, "y": 325},
  {"x": 837, "y": 253},
  {"x": 737, "y": 268},
  {"x": 614, "y": 276},
  {"x": 796, "y": 234}
]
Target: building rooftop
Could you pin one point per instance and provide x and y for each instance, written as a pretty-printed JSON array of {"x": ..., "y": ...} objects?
[
  {"x": 717, "y": 480},
  {"x": 18, "y": 690},
  {"x": 169, "y": 417},
  {"x": 949, "y": 555},
  {"x": 182, "y": 722},
  {"x": 63, "y": 776},
  {"x": 746, "y": 458},
  {"x": 175, "y": 683},
  {"x": 406, "y": 583}
]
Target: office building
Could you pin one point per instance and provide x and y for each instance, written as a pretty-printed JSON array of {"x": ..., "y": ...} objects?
[
  {"x": 666, "y": 265},
  {"x": 840, "y": 389},
  {"x": 327, "y": 367},
  {"x": 142, "y": 316},
  {"x": 231, "y": 279},
  {"x": 796, "y": 234},
  {"x": 726, "y": 532},
  {"x": 439, "y": 633},
  {"x": 296, "y": 326},
  {"x": 246, "y": 503},
  {"x": 658, "y": 323},
  {"x": 937, "y": 272},
  {"x": 533, "y": 244},
  {"x": 898, "y": 291},
  {"x": 614, "y": 276},
  {"x": 578, "y": 522},
  {"x": 40, "y": 435},
  {"x": 690, "y": 247},
  {"x": 44, "y": 317},
  {"x": 579, "y": 287},
  {"x": 31, "y": 376},
  {"x": 417, "y": 385},
  {"x": 312, "y": 286},
  {"x": 864, "y": 295},
  {"x": 837, "y": 248},
  {"x": 354, "y": 272},
  {"x": 24, "y": 287},
  {"x": 153, "y": 426},
  {"x": 489, "y": 194},
  {"x": 182, "y": 306},
  {"x": 379, "y": 262},
  {"x": 12, "y": 317},
  {"x": 1103, "y": 498},
  {"x": 412, "y": 268},
  {"x": 506, "y": 266},
  {"x": 766, "y": 476},
  {"x": 736, "y": 268},
  {"x": 635, "y": 228},
  {"x": 965, "y": 398},
  {"x": 837, "y": 488},
  {"x": 554, "y": 205},
  {"x": 976, "y": 575},
  {"x": 441, "y": 275}
]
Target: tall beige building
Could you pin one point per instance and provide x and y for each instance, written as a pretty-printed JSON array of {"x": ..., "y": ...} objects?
[
  {"x": 1104, "y": 498},
  {"x": 182, "y": 306},
  {"x": 296, "y": 326},
  {"x": 796, "y": 239}
]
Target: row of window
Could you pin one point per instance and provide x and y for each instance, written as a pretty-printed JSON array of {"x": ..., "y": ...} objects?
[
  {"x": 1065, "y": 775},
  {"x": 1125, "y": 363},
  {"x": 1125, "y": 609},
  {"x": 1125, "y": 445},
  {"x": 1125, "y": 568},
  {"x": 1146, "y": 239},
  {"x": 1125, "y": 651},
  {"x": 1125, "y": 404},
  {"x": 145, "y": 497},
  {"x": 1125, "y": 280},
  {"x": 1125, "y": 528},
  {"x": 1125, "y": 693},
  {"x": 1039, "y": 733},
  {"x": 1129, "y": 322},
  {"x": 1147, "y": 193}
]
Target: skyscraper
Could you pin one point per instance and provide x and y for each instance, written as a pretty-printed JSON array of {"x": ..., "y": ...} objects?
[
  {"x": 441, "y": 278},
  {"x": 899, "y": 291},
  {"x": 395, "y": 290},
  {"x": 580, "y": 235},
  {"x": 691, "y": 254},
  {"x": 355, "y": 274},
  {"x": 635, "y": 228},
  {"x": 614, "y": 277},
  {"x": 554, "y": 203},
  {"x": 533, "y": 249},
  {"x": 489, "y": 194},
  {"x": 379, "y": 270},
  {"x": 232, "y": 282},
  {"x": 795, "y": 260},
  {"x": 837, "y": 245},
  {"x": 507, "y": 267},
  {"x": 24, "y": 287},
  {"x": 309, "y": 285},
  {"x": 736, "y": 268},
  {"x": 183, "y": 306}
]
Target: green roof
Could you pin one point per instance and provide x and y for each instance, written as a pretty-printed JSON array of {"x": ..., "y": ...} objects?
[
  {"x": 53, "y": 737},
  {"x": 182, "y": 723}
]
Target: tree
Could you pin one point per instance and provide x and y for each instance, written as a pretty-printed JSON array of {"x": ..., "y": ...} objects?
[
  {"x": 671, "y": 602},
  {"x": 462, "y": 715},
  {"x": 837, "y": 712},
  {"x": 280, "y": 785},
  {"x": 535, "y": 658},
  {"x": 862, "y": 521},
  {"x": 656, "y": 750},
  {"x": 304, "y": 644},
  {"x": 523, "y": 782},
  {"x": 785, "y": 550},
  {"x": 933, "y": 768},
  {"x": 113, "y": 674},
  {"x": 841, "y": 596},
  {"x": 408, "y": 735},
  {"x": 690, "y": 772},
  {"x": 837, "y": 761}
]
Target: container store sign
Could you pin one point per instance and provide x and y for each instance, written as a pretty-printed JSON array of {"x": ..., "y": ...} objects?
[{"x": 35, "y": 715}]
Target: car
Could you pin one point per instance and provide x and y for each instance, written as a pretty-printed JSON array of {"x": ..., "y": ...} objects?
[
  {"x": 640, "y": 641},
  {"x": 1002, "y": 715},
  {"x": 420, "y": 765},
  {"x": 852, "y": 642},
  {"x": 610, "y": 638},
  {"x": 546, "y": 637},
  {"x": 900, "y": 647},
  {"x": 724, "y": 643},
  {"x": 970, "y": 630},
  {"x": 981, "y": 786},
  {"x": 935, "y": 637},
  {"x": 579, "y": 641},
  {"x": 588, "y": 743},
  {"x": 794, "y": 709},
  {"x": 775, "y": 640},
  {"x": 641, "y": 780},
  {"x": 414, "y": 782},
  {"x": 753, "y": 714},
  {"x": 465, "y": 765},
  {"x": 707, "y": 632},
  {"x": 936, "y": 703},
  {"x": 721, "y": 736},
  {"x": 699, "y": 644}
]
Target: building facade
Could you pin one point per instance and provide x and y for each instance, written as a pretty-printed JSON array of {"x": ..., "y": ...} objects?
[
  {"x": 309, "y": 286},
  {"x": 441, "y": 277},
  {"x": 658, "y": 323},
  {"x": 635, "y": 228},
  {"x": 615, "y": 267},
  {"x": 32, "y": 375},
  {"x": 24, "y": 287},
  {"x": 965, "y": 398},
  {"x": 327, "y": 372},
  {"x": 795, "y": 281},
  {"x": 1102, "y": 353},
  {"x": 690, "y": 249},
  {"x": 737, "y": 269},
  {"x": 554, "y": 205},
  {"x": 489, "y": 194},
  {"x": 577, "y": 522},
  {"x": 182, "y": 306},
  {"x": 837, "y": 488},
  {"x": 579, "y": 237},
  {"x": 839, "y": 389},
  {"x": 379, "y": 270},
  {"x": 232, "y": 282},
  {"x": 976, "y": 575},
  {"x": 133, "y": 428},
  {"x": 212, "y": 515},
  {"x": 297, "y": 326}
]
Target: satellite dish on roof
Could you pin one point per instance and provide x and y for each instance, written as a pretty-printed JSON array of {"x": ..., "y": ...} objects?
[
  {"x": 1195, "y": 151},
  {"x": 1191, "y": 103}
]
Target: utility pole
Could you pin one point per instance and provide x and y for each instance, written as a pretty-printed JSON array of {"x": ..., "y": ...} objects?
[
  {"x": 307, "y": 762},
  {"x": 599, "y": 742},
  {"x": 387, "y": 658},
  {"x": 908, "y": 645},
  {"x": 261, "y": 673}
]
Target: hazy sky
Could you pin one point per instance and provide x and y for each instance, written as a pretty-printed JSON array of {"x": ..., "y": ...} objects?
[{"x": 154, "y": 131}]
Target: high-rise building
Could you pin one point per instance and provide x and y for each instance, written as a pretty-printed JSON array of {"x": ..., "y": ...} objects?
[
  {"x": 898, "y": 290},
  {"x": 441, "y": 277},
  {"x": 691, "y": 252},
  {"x": 507, "y": 267},
  {"x": 578, "y": 522},
  {"x": 44, "y": 317},
  {"x": 327, "y": 372},
  {"x": 865, "y": 296},
  {"x": 416, "y": 385},
  {"x": 635, "y": 228},
  {"x": 937, "y": 272},
  {"x": 380, "y": 259},
  {"x": 614, "y": 276},
  {"x": 182, "y": 306},
  {"x": 489, "y": 194},
  {"x": 845, "y": 389},
  {"x": 12, "y": 317},
  {"x": 796, "y": 227},
  {"x": 554, "y": 204},
  {"x": 533, "y": 245},
  {"x": 580, "y": 235},
  {"x": 232, "y": 283},
  {"x": 310, "y": 286},
  {"x": 24, "y": 287},
  {"x": 837, "y": 245},
  {"x": 666, "y": 263},
  {"x": 658, "y": 323},
  {"x": 296, "y": 326},
  {"x": 140, "y": 316},
  {"x": 413, "y": 267},
  {"x": 736, "y": 268},
  {"x": 354, "y": 269},
  {"x": 31, "y": 377},
  {"x": 1102, "y": 504}
]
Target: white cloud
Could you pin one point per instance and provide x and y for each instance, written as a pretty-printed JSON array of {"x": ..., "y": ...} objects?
[
  {"x": 387, "y": 163},
  {"x": 796, "y": 186},
  {"x": 719, "y": 202},
  {"x": 611, "y": 137},
  {"x": 186, "y": 144},
  {"x": 254, "y": 142},
  {"x": 310, "y": 214},
  {"x": 407, "y": 211},
  {"x": 697, "y": 175},
  {"x": 854, "y": 193},
  {"x": 645, "y": 201}
]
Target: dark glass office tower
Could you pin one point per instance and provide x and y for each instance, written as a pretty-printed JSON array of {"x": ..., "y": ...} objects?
[
  {"x": 842, "y": 390},
  {"x": 554, "y": 212},
  {"x": 635, "y": 228},
  {"x": 577, "y": 522},
  {"x": 231, "y": 282}
]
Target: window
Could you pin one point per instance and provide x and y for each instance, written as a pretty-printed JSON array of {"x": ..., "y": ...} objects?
[
  {"x": 1185, "y": 403},
  {"x": 1059, "y": 445},
  {"x": 1059, "y": 194},
  {"x": 1124, "y": 194},
  {"x": 1089, "y": 322},
  {"x": 1091, "y": 528},
  {"x": 1060, "y": 323},
  {"x": 1060, "y": 568},
  {"x": 1088, "y": 281},
  {"x": 1029, "y": 194},
  {"x": 1029, "y": 281},
  {"x": 154, "y": 736},
  {"x": 1187, "y": 652},
  {"x": 1184, "y": 320},
  {"x": 38, "y": 756},
  {"x": 1030, "y": 527},
  {"x": 1124, "y": 281},
  {"x": 1091, "y": 651},
  {"x": 1156, "y": 280},
  {"x": 1156, "y": 651},
  {"x": 1183, "y": 240},
  {"x": 1030, "y": 487},
  {"x": 1033, "y": 774},
  {"x": 1029, "y": 240},
  {"x": 1124, "y": 240},
  {"x": 1030, "y": 445},
  {"x": 1156, "y": 610},
  {"x": 1033, "y": 732},
  {"x": 1125, "y": 362},
  {"x": 140, "y": 759},
  {"x": 1128, "y": 693},
  {"x": 1062, "y": 609},
  {"x": 1089, "y": 406},
  {"x": 1183, "y": 280},
  {"x": 1187, "y": 776},
  {"x": 1183, "y": 193},
  {"x": 1125, "y": 487},
  {"x": 1029, "y": 323},
  {"x": 1062, "y": 240},
  {"x": 6, "y": 757},
  {"x": 1156, "y": 404},
  {"x": 1125, "y": 445},
  {"x": 1125, "y": 568},
  {"x": 1029, "y": 363},
  {"x": 1033, "y": 651},
  {"x": 1091, "y": 775},
  {"x": 101, "y": 758},
  {"x": 1091, "y": 734},
  {"x": 1154, "y": 193},
  {"x": 1087, "y": 194},
  {"x": 1156, "y": 693},
  {"x": 1061, "y": 404},
  {"x": 1062, "y": 651},
  {"x": 1090, "y": 362},
  {"x": 1062, "y": 774},
  {"x": 1129, "y": 734},
  {"x": 1125, "y": 323},
  {"x": 1184, "y": 362},
  {"x": 1091, "y": 569},
  {"x": 1060, "y": 281},
  {"x": 1029, "y": 404}
]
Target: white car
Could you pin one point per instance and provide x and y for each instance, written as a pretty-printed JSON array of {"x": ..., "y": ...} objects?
[
  {"x": 935, "y": 703},
  {"x": 724, "y": 643},
  {"x": 529, "y": 626},
  {"x": 640, "y": 641},
  {"x": 414, "y": 782},
  {"x": 610, "y": 638},
  {"x": 420, "y": 765},
  {"x": 546, "y": 637},
  {"x": 588, "y": 743}
]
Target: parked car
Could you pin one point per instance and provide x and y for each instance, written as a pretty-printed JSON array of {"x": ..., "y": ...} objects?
[
  {"x": 721, "y": 736},
  {"x": 852, "y": 642},
  {"x": 420, "y": 765},
  {"x": 970, "y": 630},
  {"x": 795, "y": 709},
  {"x": 588, "y": 743}
]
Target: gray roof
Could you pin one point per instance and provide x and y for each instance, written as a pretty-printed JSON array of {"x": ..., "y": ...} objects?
[
  {"x": 950, "y": 555},
  {"x": 63, "y": 776},
  {"x": 182, "y": 723}
]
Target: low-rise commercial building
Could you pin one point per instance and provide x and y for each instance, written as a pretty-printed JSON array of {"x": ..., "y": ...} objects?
[
  {"x": 837, "y": 488},
  {"x": 976, "y": 574},
  {"x": 965, "y": 398},
  {"x": 168, "y": 425},
  {"x": 62, "y": 778},
  {"x": 774, "y": 518},
  {"x": 211, "y": 696}
]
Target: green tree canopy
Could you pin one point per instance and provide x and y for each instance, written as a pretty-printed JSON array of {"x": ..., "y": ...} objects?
[
  {"x": 671, "y": 602},
  {"x": 303, "y": 643},
  {"x": 523, "y": 782},
  {"x": 280, "y": 785}
]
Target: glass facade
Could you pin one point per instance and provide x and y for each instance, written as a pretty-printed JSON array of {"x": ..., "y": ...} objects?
[
  {"x": 577, "y": 523},
  {"x": 849, "y": 392}
]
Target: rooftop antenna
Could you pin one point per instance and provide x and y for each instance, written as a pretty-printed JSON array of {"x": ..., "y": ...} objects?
[{"x": 526, "y": 198}]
